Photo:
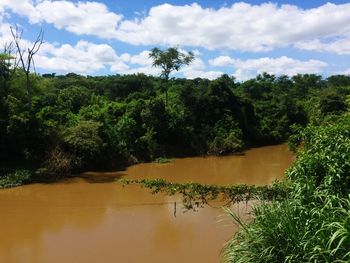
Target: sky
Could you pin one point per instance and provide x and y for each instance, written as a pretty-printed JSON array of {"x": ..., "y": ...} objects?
[{"x": 238, "y": 38}]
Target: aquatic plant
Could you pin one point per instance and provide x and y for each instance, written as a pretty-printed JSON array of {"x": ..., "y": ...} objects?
[
  {"x": 15, "y": 178},
  {"x": 162, "y": 160}
]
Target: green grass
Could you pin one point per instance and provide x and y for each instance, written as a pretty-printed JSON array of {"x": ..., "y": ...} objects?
[
  {"x": 289, "y": 231},
  {"x": 313, "y": 223}
]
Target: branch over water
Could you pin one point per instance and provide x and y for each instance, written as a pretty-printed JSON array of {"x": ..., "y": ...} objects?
[{"x": 195, "y": 195}]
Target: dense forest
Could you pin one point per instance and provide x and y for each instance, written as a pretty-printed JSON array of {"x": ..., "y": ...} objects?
[{"x": 70, "y": 123}]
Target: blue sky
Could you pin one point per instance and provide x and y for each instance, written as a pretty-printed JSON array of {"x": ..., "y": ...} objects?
[{"x": 239, "y": 38}]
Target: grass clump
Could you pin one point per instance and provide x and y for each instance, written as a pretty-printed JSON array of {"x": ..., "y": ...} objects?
[{"x": 313, "y": 223}]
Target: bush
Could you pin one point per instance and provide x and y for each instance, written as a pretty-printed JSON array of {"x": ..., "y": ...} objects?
[
  {"x": 313, "y": 224},
  {"x": 58, "y": 162},
  {"x": 227, "y": 137},
  {"x": 15, "y": 178},
  {"x": 83, "y": 142}
]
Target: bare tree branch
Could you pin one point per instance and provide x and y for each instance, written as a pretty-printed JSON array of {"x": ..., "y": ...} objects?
[{"x": 26, "y": 57}]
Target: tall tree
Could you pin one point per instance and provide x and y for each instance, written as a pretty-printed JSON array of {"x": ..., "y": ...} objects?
[
  {"x": 169, "y": 60},
  {"x": 26, "y": 57}
]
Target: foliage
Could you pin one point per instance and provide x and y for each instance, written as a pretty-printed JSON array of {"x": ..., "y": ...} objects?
[
  {"x": 228, "y": 137},
  {"x": 58, "y": 163},
  {"x": 313, "y": 223},
  {"x": 290, "y": 231},
  {"x": 195, "y": 194},
  {"x": 83, "y": 141},
  {"x": 113, "y": 121},
  {"x": 15, "y": 178},
  {"x": 162, "y": 160},
  {"x": 169, "y": 60}
]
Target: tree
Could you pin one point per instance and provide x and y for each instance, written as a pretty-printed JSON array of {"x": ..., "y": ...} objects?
[
  {"x": 26, "y": 62},
  {"x": 83, "y": 141},
  {"x": 5, "y": 66},
  {"x": 169, "y": 60}
]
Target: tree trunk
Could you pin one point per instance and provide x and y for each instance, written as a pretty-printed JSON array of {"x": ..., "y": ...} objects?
[
  {"x": 28, "y": 93},
  {"x": 166, "y": 83},
  {"x": 166, "y": 96}
]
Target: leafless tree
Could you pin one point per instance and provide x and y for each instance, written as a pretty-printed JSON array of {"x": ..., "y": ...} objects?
[{"x": 25, "y": 58}]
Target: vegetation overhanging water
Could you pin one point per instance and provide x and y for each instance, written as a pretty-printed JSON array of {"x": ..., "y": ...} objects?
[{"x": 74, "y": 123}]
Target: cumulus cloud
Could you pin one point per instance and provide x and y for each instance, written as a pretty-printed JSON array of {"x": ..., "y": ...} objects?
[
  {"x": 338, "y": 46},
  {"x": 139, "y": 59},
  {"x": 21, "y": 7},
  {"x": 89, "y": 18},
  {"x": 138, "y": 63},
  {"x": 241, "y": 26},
  {"x": 192, "y": 74},
  {"x": 344, "y": 72},
  {"x": 198, "y": 69},
  {"x": 142, "y": 63},
  {"x": 245, "y": 69},
  {"x": 83, "y": 58}
]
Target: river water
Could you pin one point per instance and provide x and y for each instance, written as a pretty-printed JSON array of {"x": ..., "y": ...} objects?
[{"x": 94, "y": 219}]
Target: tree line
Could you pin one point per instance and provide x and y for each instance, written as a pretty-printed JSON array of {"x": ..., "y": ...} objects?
[{"x": 76, "y": 122}]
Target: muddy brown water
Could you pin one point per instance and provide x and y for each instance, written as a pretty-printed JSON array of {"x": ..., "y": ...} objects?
[{"x": 93, "y": 219}]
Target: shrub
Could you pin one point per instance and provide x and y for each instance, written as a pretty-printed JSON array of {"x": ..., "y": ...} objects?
[
  {"x": 83, "y": 142},
  {"x": 15, "y": 178},
  {"x": 313, "y": 223},
  {"x": 227, "y": 137}
]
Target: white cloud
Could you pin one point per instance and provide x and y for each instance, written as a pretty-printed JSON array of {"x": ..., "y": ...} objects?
[
  {"x": 222, "y": 61},
  {"x": 197, "y": 69},
  {"x": 83, "y": 58},
  {"x": 130, "y": 64},
  {"x": 192, "y": 74},
  {"x": 338, "y": 46},
  {"x": 139, "y": 59},
  {"x": 245, "y": 69},
  {"x": 344, "y": 72},
  {"x": 91, "y": 18},
  {"x": 241, "y": 26},
  {"x": 138, "y": 69},
  {"x": 21, "y": 7},
  {"x": 141, "y": 63}
]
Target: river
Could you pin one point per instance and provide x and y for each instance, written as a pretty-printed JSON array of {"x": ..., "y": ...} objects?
[{"x": 94, "y": 219}]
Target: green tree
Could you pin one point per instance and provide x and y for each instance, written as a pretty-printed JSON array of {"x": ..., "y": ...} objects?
[
  {"x": 332, "y": 103},
  {"x": 5, "y": 69},
  {"x": 83, "y": 141},
  {"x": 169, "y": 60}
]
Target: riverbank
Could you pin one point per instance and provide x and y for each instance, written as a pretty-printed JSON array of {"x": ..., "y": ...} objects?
[
  {"x": 192, "y": 166},
  {"x": 312, "y": 224}
]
